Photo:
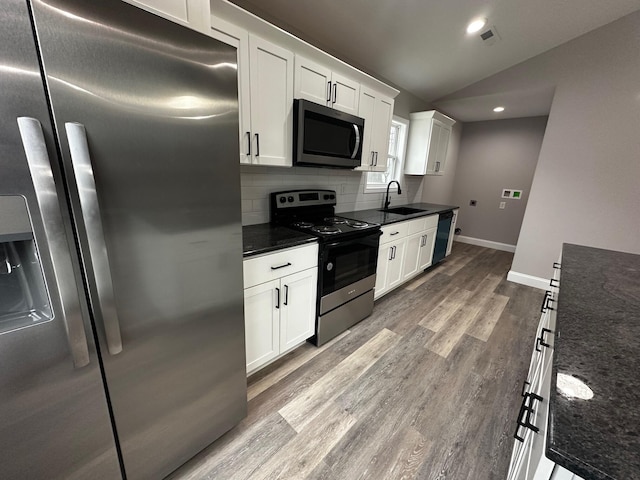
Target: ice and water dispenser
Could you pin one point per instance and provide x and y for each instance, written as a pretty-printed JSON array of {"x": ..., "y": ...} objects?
[{"x": 24, "y": 300}]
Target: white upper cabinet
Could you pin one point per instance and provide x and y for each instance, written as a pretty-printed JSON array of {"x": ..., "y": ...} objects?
[
  {"x": 377, "y": 111},
  {"x": 269, "y": 141},
  {"x": 318, "y": 84},
  {"x": 428, "y": 143},
  {"x": 194, "y": 14}
]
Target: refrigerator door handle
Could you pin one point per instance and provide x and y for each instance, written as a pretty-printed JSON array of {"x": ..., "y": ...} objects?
[
  {"x": 39, "y": 163},
  {"x": 83, "y": 172}
]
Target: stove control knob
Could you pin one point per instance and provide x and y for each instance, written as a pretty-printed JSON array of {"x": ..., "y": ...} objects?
[
  {"x": 329, "y": 266},
  {"x": 332, "y": 196},
  {"x": 326, "y": 197},
  {"x": 283, "y": 199},
  {"x": 290, "y": 198}
]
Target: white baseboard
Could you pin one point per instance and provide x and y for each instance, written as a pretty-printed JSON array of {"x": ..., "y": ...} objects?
[
  {"x": 528, "y": 280},
  {"x": 485, "y": 243}
]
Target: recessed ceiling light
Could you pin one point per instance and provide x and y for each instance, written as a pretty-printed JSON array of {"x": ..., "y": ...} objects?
[
  {"x": 476, "y": 25},
  {"x": 498, "y": 109}
]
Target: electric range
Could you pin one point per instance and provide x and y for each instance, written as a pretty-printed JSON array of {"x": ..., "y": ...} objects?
[{"x": 347, "y": 259}]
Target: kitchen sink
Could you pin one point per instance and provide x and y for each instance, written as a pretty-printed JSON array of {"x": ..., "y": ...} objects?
[{"x": 403, "y": 210}]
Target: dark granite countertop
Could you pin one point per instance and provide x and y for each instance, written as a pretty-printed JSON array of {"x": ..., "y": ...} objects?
[
  {"x": 383, "y": 218},
  {"x": 264, "y": 238},
  {"x": 597, "y": 341}
]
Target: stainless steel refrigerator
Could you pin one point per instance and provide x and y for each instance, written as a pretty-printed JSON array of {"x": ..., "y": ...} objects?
[{"x": 121, "y": 317}]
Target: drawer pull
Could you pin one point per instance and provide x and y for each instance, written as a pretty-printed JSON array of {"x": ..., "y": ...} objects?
[
  {"x": 394, "y": 233},
  {"x": 556, "y": 266},
  {"x": 524, "y": 388},
  {"x": 526, "y": 411},
  {"x": 288, "y": 264},
  {"x": 554, "y": 280},
  {"x": 543, "y": 308}
]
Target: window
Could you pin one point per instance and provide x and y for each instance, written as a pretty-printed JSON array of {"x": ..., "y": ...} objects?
[{"x": 378, "y": 181}]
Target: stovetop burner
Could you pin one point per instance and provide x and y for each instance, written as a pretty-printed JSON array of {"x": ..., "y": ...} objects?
[
  {"x": 326, "y": 229},
  {"x": 313, "y": 211}
]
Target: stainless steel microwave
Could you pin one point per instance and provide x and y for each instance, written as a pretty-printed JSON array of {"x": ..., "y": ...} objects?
[{"x": 324, "y": 137}]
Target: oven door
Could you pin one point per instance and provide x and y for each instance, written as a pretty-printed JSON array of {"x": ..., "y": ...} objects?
[{"x": 346, "y": 262}]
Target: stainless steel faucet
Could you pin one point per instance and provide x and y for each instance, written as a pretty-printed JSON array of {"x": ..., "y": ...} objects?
[{"x": 387, "y": 202}]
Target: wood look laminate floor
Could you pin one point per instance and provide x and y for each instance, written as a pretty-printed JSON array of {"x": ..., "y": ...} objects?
[{"x": 428, "y": 387}]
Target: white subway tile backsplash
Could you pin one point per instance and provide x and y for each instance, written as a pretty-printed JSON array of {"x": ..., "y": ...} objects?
[{"x": 258, "y": 182}]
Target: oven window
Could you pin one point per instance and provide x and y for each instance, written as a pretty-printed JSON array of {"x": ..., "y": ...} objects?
[{"x": 347, "y": 263}]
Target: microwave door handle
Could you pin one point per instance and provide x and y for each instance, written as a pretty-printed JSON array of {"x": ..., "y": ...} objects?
[
  {"x": 356, "y": 129},
  {"x": 90, "y": 210},
  {"x": 47, "y": 197}
]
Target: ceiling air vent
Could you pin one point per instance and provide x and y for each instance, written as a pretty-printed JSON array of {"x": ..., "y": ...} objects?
[{"x": 490, "y": 36}]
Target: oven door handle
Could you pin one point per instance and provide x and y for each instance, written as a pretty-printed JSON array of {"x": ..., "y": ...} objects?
[{"x": 376, "y": 234}]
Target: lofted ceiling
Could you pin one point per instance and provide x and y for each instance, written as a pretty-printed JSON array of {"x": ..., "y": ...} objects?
[{"x": 421, "y": 45}]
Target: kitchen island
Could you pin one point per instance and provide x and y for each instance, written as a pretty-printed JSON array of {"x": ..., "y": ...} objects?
[{"x": 597, "y": 341}]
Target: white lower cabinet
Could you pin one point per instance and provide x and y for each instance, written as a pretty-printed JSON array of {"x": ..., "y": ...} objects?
[
  {"x": 528, "y": 459},
  {"x": 280, "y": 312},
  {"x": 406, "y": 249}
]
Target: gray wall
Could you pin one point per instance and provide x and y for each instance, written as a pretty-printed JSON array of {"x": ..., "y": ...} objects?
[
  {"x": 586, "y": 186},
  {"x": 495, "y": 155}
]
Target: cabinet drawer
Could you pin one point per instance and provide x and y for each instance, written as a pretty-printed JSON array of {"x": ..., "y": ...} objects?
[
  {"x": 278, "y": 264},
  {"x": 416, "y": 226},
  {"x": 431, "y": 221},
  {"x": 394, "y": 232}
]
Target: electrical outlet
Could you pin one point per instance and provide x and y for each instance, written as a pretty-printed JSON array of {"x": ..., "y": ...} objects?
[
  {"x": 502, "y": 205},
  {"x": 473, "y": 203}
]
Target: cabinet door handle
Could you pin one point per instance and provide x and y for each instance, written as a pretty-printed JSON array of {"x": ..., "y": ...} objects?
[
  {"x": 526, "y": 411},
  {"x": 556, "y": 265},
  {"x": 542, "y": 342},
  {"x": 395, "y": 249},
  {"x": 390, "y": 253},
  {"x": 549, "y": 299},
  {"x": 554, "y": 280},
  {"x": 286, "y": 295},
  {"x": 372, "y": 155},
  {"x": 248, "y": 144},
  {"x": 437, "y": 166},
  {"x": 524, "y": 388},
  {"x": 543, "y": 308},
  {"x": 394, "y": 233},
  {"x": 375, "y": 161},
  {"x": 277, "y": 297},
  {"x": 257, "y": 145},
  {"x": 288, "y": 264},
  {"x": 328, "y": 91},
  {"x": 335, "y": 92}
]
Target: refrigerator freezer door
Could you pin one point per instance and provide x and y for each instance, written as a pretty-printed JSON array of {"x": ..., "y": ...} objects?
[
  {"x": 159, "y": 106},
  {"x": 54, "y": 418}
]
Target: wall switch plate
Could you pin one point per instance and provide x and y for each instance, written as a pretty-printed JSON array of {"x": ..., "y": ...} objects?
[
  {"x": 473, "y": 203},
  {"x": 502, "y": 205}
]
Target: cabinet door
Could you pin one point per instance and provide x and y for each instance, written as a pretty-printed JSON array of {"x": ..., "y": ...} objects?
[
  {"x": 298, "y": 311},
  {"x": 271, "y": 74},
  {"x": 426, "y": 251},
  {"x": 366, "y": 107},
  {"x": 442, "y": 147},
  {"x": 239, "y": 38},
  {"x": 411, "y": 263},
  {"x": 312, "y": 81},
  {"x": 384, "y": 257},
  {"x": 261, "y": 321},
  {"x": 394, "y": 272},
  {"x": 432, "y": 149},
  {"x": 345, "y": 94},
  {"x": 383, "y": 114},
  {"x": 190, "y": 13}
]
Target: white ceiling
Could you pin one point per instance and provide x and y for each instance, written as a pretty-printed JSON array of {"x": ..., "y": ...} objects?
[{"x": 421, "y": 45}]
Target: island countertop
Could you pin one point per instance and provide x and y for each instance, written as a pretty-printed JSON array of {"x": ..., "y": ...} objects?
[{"x": 597, "y": 340}]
